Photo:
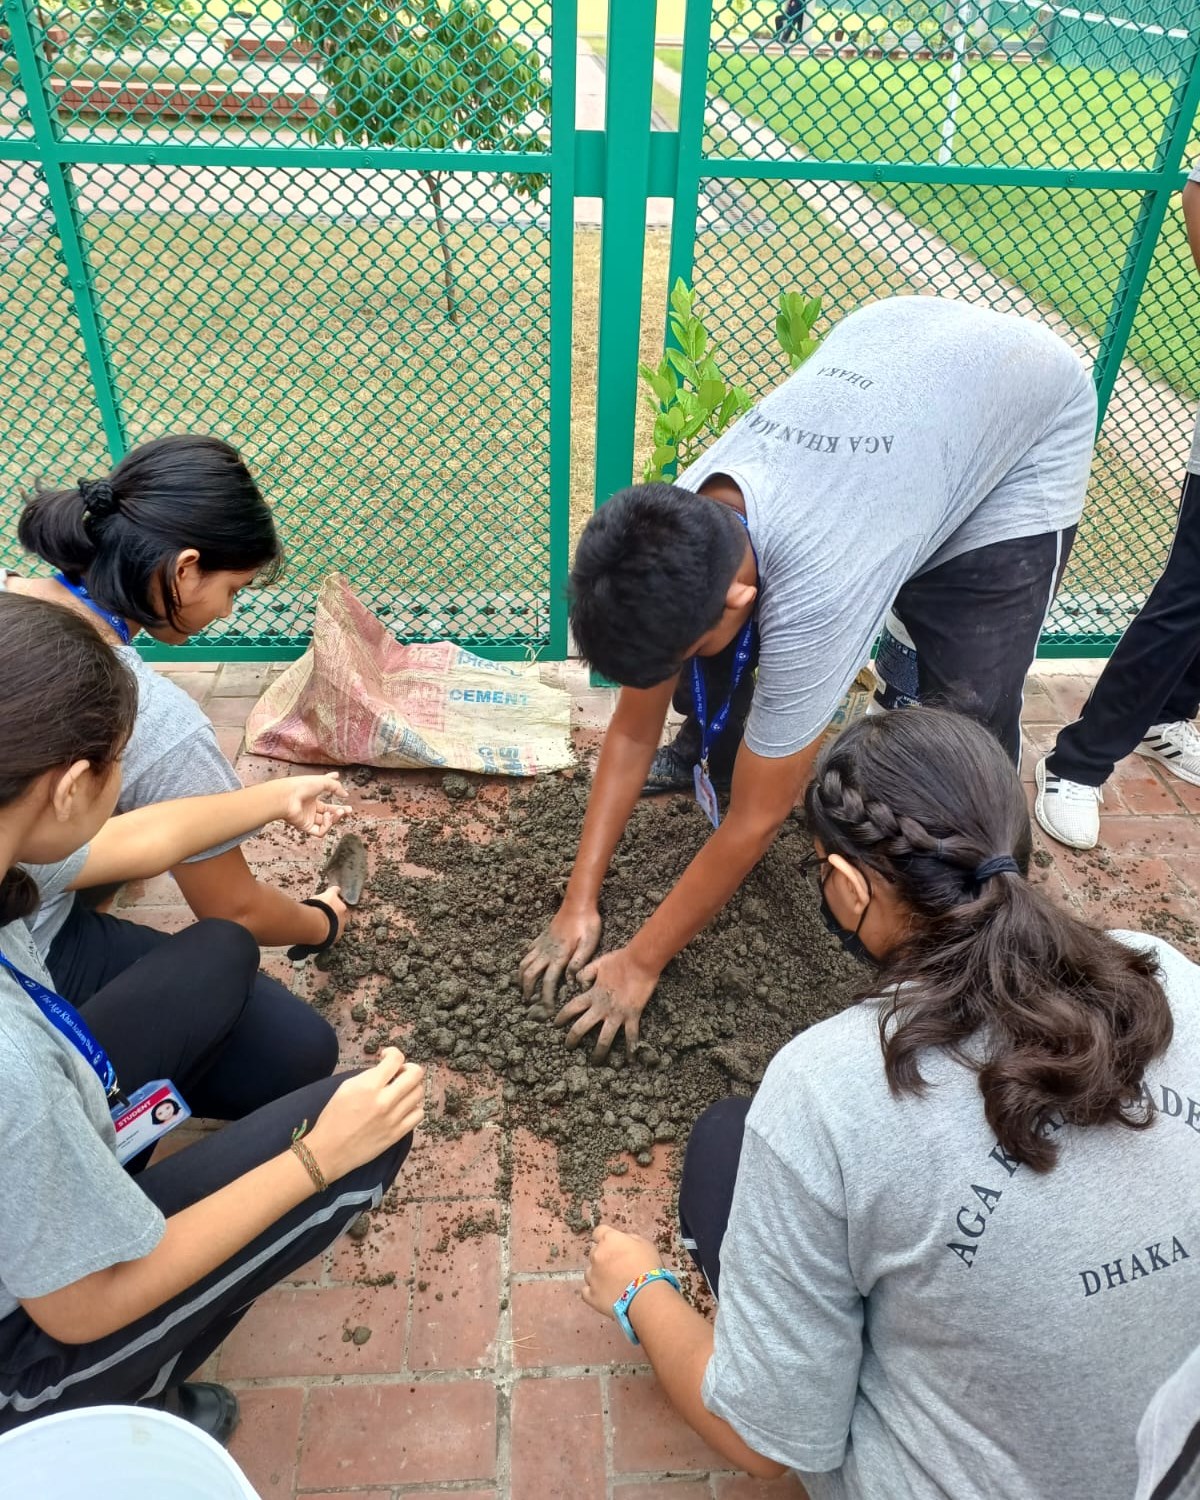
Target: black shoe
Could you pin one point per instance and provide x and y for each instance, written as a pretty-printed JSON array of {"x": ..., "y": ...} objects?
[
  {"x": 210, "y": 1407},
  {"x": 670, "y": 772}
]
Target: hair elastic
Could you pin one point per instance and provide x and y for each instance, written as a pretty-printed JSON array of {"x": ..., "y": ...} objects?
[
  {"x": 999, "y": 864},
  {"x": 98, "y": 498}
]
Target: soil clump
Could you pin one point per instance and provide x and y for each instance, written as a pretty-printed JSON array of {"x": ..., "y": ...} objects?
[{"x": 447, "y": 946}]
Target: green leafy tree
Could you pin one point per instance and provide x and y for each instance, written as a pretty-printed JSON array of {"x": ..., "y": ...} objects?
[
  {"x": 425, "y": 76},
  {"x": 691, "y": 400}
]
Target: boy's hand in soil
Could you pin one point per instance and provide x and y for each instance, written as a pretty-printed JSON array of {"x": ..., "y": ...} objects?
[
  {"x": 619, "y": 990},
  {"x": 564, "y": 948},
  {"x": 614, "y": 1260},
  {"x": 303, "y": 806},
  {"x": 369, "y": 1112}
]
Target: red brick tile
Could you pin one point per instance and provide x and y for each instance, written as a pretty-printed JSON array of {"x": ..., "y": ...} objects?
[
  {"x": 230, "y": 710},
  {"x": 299, "y": 1332},
  {"x": 1188, "y": 794},
  {"x": 159, "y": 890},
  {"x": 402, "y": 1433},
  {"x": 540, "y": 1238},
  {"x": 229, "y": 740},
  {"x": 163, "y": 918},
  {"x": 551, "y": 1325},
  {"x": 464, "y": 1168},
  {"x": 558, "y": 1439},
  {"x": 1144, "y": 834},
  {"x": 253, "y": 769},
  {"x": 647, "y": 1435},
  {"x": 1068, "y": 693},
  {"x": 665, "y": 1489},
  {"x": 369, "y": 1495},
  {"x": 1036, "y": 740},
  {"x": 742, "y": 1487},
  {"x": 1139, "y": 790},
  {"x": 456, "y": 1296},
  {"x": 243, "y": 679},
  {"x": 386, "y": 1250},
  {"x": 1038, "y": 706},
  {"x": 267, "y": 1440},
  {"x": 197, "y": 685}
]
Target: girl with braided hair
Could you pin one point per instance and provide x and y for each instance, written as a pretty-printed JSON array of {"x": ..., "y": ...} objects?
[{"x": 962, "y": 1249}]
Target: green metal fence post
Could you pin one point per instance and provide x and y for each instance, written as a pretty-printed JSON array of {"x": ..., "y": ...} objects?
[
  {"x": 1176, "y": 130},
  {"x": 628, "y": 91},
  {"x": 563, "y": 51},
  {"x": 60, "y": 189},
  {"x": 693, "y": 96}
]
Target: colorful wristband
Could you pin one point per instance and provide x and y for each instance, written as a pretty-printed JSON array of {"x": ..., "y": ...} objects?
[{"x": 621, "y": 1305}]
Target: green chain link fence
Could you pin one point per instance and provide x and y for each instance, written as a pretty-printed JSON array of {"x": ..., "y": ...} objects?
[{"x": 342, "y": 235}]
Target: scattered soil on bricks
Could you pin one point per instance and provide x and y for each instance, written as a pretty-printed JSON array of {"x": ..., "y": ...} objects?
[{"x": 447, "y": 945}]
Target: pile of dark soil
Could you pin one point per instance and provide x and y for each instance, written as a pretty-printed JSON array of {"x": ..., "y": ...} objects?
[{"x": 448, "y": 948}]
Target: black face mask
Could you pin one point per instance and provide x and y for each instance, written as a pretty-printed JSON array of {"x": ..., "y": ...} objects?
[{"x": 850, "y": 941}]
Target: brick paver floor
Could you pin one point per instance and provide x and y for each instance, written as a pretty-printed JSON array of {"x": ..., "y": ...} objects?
[{"x": 483, "y": 1373}]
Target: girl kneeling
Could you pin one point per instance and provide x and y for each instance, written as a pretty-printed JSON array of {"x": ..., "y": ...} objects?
[
  {"x": 115, "y": 1288},
  {"x": 963, "y": 1247}
]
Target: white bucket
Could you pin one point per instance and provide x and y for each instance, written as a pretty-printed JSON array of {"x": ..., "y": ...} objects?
[{"x": 101, "y": 1451}]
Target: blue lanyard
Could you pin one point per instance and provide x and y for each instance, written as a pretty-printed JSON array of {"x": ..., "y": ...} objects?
[
  {"x": 66, "y": 1019},
  {"x": 742, "y": 651},
  {"x": 117, "y": 623}
]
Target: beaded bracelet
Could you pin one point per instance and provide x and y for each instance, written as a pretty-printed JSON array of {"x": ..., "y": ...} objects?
[
  {"x": 621, "y": 1305},
  {"x": 307, "y": 1159}
]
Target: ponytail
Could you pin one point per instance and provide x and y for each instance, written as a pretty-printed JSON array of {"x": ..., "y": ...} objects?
[
  {"x": 1062, "y": 1019},
  {"x": 121, "y": 533}
]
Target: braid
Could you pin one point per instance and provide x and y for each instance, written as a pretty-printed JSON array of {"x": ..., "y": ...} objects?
[{"x": 884, "y": 838}]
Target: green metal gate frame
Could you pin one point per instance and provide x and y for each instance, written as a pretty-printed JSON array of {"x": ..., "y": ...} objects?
[
  {"x": 56, "y": 153},
  {"x": 623, "y": 165}
]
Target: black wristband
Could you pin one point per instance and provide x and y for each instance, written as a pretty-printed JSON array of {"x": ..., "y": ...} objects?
[{"x": 300, "y": 951}]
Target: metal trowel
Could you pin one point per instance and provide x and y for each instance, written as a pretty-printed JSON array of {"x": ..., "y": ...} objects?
[{"x": 346, "y": 868}]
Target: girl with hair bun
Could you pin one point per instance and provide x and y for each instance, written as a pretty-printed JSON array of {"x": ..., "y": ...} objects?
[
  {"x": 163, "y": 544},
  {"x": 956, "y": 1234}
]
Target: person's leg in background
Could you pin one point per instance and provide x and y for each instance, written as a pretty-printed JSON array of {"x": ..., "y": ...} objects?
[
  {"x": 1145, "y": 698},
  {"x": 39, "y": 1375},
  {"x": 710, "y": 1166},
  {"x": 278, "y": 1044},
  {"x": 975, "y": 622},
  {"x": 671, "y": 769}
]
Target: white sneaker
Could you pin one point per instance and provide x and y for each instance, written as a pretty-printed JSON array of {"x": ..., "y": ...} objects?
[
  {"x": 1067, "y": 810},
  {"x": 1177, "y": 746}
]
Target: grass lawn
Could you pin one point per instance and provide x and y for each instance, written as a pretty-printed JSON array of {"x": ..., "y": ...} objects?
[
  {"x": 1064, "y": 246},
  {"x": 393, "y": 443}
]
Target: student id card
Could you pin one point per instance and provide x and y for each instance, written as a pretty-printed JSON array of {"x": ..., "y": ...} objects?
[
  {"x": 706, "y": 795},
  {"x": 146, "y": 1116}
]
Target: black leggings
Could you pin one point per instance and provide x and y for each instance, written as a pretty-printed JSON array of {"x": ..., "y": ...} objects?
[
  {"x": 210, "y": 971},
  {"x": 710, "y": 1166},
  {"x": 276, "y": 1044},
  {"x": 1153, "y": 676}
]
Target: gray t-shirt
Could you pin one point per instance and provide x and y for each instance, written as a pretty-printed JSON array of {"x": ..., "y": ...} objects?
[
  {"x": 173, "y": 752},
  {"x": 921, "y": 428},
  {"x": 1168, "y": 1440},
  {"x": 907, "y": 1313},
  {"x": 69, "y": 1207}
]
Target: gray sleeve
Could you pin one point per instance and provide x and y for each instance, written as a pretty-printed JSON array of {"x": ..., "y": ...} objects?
[
  {"x": 1194, "y": 174},
  {"x": 195, "y": 767},
  {"x": 788, "y": 1339},
  {"x": 1171, "y": 1427},
  {"x": 69, "y": 1207},
  {"x": 53, "y": 880}
]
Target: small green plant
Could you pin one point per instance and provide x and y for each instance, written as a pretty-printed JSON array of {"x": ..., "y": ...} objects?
[
  {"x": 691, "y": 400},
  {"x": 794, "y": 326}
]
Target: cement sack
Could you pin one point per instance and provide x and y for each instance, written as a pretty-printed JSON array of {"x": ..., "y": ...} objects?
[{"x": 359, "y": 697}]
